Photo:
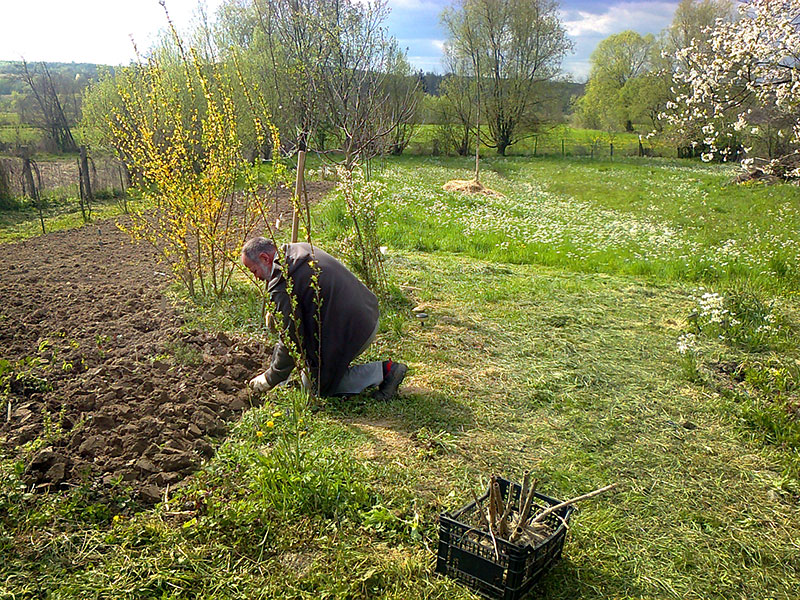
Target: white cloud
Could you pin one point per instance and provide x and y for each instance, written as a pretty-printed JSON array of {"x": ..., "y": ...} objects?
[
  {"x": 588, "y": 23},
  {"x": 644, "y": 17},
  {"x": 438, "y": 44},
  {"x": 426, "y": 63},
  {"x": 578, "y": 69}
]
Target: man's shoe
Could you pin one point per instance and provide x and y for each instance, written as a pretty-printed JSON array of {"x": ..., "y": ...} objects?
[{"x": 395, "y": 372}]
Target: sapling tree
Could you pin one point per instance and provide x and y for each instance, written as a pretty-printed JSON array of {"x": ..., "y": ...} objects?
[
  {"x": 362, "y": 244},
  {"x": 620, "y": 65},
  {"x": 744, "y": 79}
]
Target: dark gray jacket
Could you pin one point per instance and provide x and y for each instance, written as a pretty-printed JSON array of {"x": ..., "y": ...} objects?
[{"x": 347, "y": 316}]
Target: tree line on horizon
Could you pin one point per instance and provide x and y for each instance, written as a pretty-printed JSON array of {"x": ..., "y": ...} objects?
[{"x": 333, "y": 80}]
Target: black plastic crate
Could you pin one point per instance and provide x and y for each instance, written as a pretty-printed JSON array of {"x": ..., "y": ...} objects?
[{"x": 463, "y": 557}]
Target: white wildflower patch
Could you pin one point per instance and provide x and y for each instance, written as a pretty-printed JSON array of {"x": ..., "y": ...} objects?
[
  {"x": 711, "y": 308},
  {"x": 687, "y": 344},
  {"x": 535, "y": 220}
]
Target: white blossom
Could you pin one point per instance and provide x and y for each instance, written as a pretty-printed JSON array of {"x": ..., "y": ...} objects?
[{"x": 752, "y": 61}]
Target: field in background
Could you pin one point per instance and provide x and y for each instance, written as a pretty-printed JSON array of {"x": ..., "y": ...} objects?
[
  {"x": 557, "y": 315},
  {"x": 665, "y": 219},
  {"x": 560, "y": 140}
]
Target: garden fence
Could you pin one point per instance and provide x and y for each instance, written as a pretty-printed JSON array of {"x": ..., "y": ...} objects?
[{"x": 59, "y": 179}]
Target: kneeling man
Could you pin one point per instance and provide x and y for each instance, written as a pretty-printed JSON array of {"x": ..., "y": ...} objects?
[{"x": 335, "y": 320}]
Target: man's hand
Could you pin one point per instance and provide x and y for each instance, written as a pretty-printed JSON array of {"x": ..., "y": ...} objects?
[{"x": 259, "y": 383}]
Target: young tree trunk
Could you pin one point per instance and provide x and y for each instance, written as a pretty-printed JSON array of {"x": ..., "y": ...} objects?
[
  {"x": 81, "y": 193},
  {"x": 478, "y": 124}
]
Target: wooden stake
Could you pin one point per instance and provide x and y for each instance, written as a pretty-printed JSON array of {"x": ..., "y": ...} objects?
[
  {"x": 298, "y": 190},
  {"x": 264, "y": 305},
  {"x": 525, "y": 511},
  {"x": 526, "y": 480}
]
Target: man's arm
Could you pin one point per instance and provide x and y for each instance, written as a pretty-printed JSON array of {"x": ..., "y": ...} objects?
[
  {"x": 280, "y": 367},
  {"x": 282, "y": 362}
]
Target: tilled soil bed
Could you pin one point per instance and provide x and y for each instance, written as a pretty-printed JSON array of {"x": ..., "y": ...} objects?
[{"x": 107, "y": 384}]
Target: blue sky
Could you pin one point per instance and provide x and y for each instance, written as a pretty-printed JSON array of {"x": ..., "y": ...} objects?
[
  {"x": 98, "y": 30},
  {"x": 415, "y": 23}
]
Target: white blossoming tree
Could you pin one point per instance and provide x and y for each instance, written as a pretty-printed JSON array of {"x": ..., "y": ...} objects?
[{"x": 742, "y": 87}]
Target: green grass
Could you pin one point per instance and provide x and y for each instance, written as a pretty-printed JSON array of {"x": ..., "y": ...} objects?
[
  {"x": 666, "y": 220},
  {"x": 13, "y": 132},
  {"x": 535, "y": 360},
  {"x": 21, "y": 220}
]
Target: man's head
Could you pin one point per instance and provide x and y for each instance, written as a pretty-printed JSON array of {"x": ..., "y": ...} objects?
[{"x": 258, "y": 255}]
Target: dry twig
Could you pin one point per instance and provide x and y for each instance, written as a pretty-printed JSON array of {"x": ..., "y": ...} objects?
[{"x": 556, "y": 507}]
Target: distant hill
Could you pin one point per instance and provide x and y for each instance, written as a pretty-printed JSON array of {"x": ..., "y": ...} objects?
[{"x": 10, "y": 71}]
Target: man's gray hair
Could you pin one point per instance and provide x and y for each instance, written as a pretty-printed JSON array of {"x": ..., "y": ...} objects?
[{"x": 255, "y": 246}]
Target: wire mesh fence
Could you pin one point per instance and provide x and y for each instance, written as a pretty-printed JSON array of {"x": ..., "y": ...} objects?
[{"x": 59, "y": 179}]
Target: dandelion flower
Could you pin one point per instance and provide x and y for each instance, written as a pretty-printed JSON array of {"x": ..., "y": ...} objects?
[
  {"x": 270, "y": 424},
  {"x": 277, "y": 413},
  {"x": 259, "y": 433}
]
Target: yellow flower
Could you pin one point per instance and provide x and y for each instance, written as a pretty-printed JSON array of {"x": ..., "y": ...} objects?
[
  {"x": 302, "y": 433},
  {"x": 270, "y": 424},
  {"x": 277, "y": 413},
  {"x": 259, "y": 433}
]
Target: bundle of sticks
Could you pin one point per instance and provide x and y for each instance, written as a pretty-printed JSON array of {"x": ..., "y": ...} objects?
[{"x": 524, "y": 525}]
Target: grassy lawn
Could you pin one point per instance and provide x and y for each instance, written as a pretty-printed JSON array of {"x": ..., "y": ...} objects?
[
  {"x": 553, "y": 345},
  {"x": 664, "y": 219},
  {"x": 21, "y": 220}
]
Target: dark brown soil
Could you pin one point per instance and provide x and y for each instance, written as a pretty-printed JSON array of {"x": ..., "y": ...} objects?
[{"x": 107, "y": 384}]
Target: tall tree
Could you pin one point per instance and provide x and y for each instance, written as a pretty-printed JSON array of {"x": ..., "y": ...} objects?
[
  {"x": 619, "y": 66},
  {"x": 515, "y": 47},
  {"x": 691, "y": 22},
  {"x": 404, "y": 95},
  {"x": 457, "y": 106},
  {"x": 49, "y": 104},
  {"x": 326, "y": 69}
]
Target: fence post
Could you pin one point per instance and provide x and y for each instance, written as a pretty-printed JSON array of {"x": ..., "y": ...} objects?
[
  {"x": 5, "y": 185},
  {"x": 562, "y": 148},
  {"x": 85, "y": 184},
  {"x": 611, "y": 149},
  {"x": 33, "y": 191},
  {"x": 298, "y": 189},
  {"x": 535, "y": 144},
  {"x": 641, "y": 148}
]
